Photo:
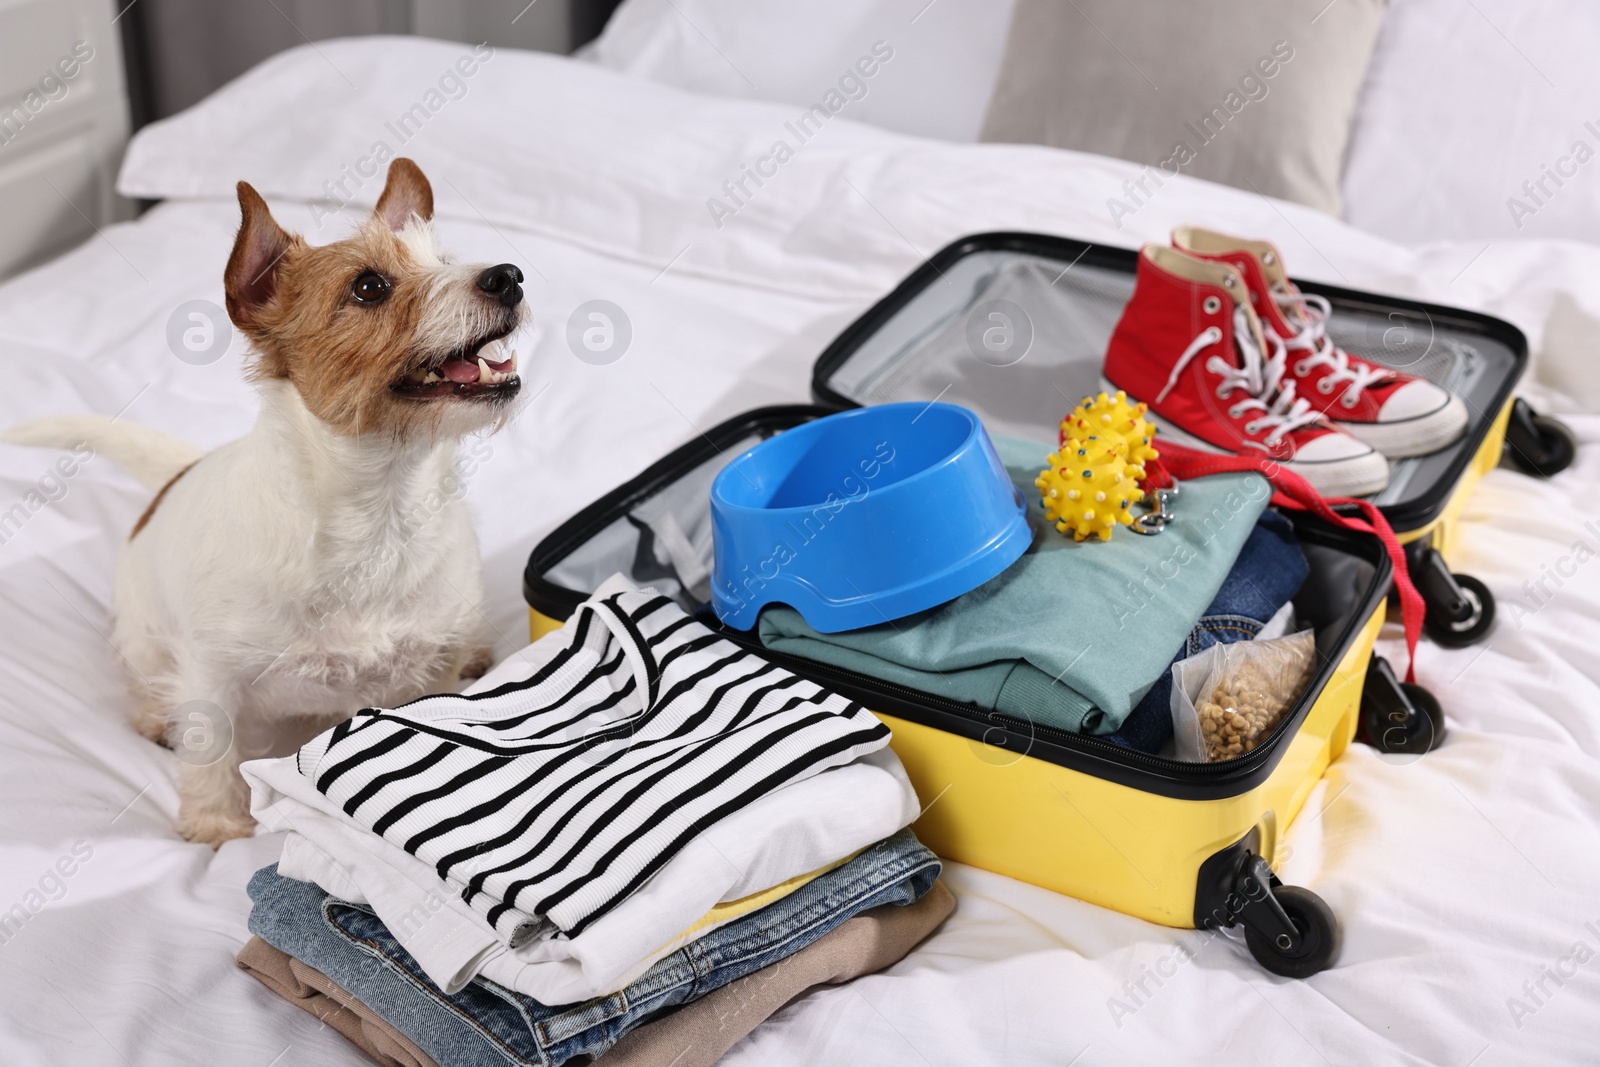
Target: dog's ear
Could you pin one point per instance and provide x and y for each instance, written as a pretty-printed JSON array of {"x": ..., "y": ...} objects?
[
  {"x": 251, "y": 278},
  {"x": 406, "y": 193}
]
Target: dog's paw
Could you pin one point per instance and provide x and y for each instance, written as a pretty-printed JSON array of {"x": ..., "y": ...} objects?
[
  {"x": 211, "y": 826},
  {"x": 478, "y": 664},
  {"x": 151, "y": 720}
]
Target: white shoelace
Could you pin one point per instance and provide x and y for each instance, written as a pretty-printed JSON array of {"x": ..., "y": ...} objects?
[
  {"x": 1313, "y": 339},
  {"x": 1262, "y": 379}
]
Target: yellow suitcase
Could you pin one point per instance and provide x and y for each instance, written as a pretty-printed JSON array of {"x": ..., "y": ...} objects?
[{"x": 1180, "y": 844}]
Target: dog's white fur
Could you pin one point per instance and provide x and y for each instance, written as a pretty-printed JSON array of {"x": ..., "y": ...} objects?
[
  {"x": 299, "y": 573},
  {"x": 152, "y": 457},
  {"x": 287, "y": 576}
]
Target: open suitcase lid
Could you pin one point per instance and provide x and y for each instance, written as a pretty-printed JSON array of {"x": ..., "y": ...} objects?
[{"x": 933, "y": 338}]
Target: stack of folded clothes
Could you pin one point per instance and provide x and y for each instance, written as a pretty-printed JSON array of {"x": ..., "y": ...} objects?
[{"x": 619, "y": 831}]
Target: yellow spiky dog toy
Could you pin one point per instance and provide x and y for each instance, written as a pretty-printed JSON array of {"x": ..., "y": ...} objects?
[
  {"x": 1093, "y": 480},
  {"x": 1116, "y": 418}
]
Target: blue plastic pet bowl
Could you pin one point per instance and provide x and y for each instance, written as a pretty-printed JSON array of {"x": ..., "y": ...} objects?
[{"x": 863, "y": 517}]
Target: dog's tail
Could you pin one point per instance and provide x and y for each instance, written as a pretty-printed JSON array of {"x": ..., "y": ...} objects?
[{"x": 153, "y": 457}]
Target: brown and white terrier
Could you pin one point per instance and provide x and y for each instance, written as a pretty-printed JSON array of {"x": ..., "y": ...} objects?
[{"x": 325, "y": 562}]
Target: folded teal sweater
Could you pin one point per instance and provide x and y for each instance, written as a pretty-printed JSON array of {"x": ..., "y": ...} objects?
[{"x": 1072, "y": 634}]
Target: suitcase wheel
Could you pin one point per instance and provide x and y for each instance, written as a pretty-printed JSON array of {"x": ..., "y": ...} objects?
[
  {"x": 1538, "y": 444},
  {"x": 1311, "y": 948},
  {"x": 1460, "y": 608},
  {"x": 1289, "y": 930},
  {"x": 1398, "y": 717},
  {"x": 1464, "y": 626}
]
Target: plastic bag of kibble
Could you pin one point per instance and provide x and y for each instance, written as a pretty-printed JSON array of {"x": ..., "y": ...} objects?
[{"x": 1227, "y": 699}]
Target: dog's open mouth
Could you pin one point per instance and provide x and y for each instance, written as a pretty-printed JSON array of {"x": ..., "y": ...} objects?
[{"x": 486, "y": 367}]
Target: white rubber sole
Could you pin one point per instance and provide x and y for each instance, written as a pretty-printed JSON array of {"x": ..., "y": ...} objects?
[
  {"x": 1411, "y": 437},
  {"x": 1353, "y": 476}
]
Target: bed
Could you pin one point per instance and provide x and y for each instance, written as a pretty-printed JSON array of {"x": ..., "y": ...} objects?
[{"x": 1465, "y": 879}]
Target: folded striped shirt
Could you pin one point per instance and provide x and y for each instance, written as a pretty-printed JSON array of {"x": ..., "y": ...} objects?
[{"x": 545, "y": 801}]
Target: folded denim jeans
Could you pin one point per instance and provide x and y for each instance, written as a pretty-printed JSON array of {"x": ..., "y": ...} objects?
[
  {"x": 1266, "y": 576},
  {"x": 694, "y": 1035},
  {"x": 484, "y": 1023}
]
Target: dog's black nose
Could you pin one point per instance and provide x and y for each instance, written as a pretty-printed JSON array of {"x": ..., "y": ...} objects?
[{"x": 501, "y": 282}]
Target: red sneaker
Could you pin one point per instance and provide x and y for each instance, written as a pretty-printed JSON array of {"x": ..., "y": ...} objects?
[
  {"x": 1189, "y": 346},
  {"x": 1398, "y": 414}
]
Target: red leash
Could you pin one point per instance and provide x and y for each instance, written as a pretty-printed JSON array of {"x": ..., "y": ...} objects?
[{"x": 1293, "y": 491}]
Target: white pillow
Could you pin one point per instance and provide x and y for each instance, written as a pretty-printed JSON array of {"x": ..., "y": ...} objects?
[
  {"x": 944, "y": 55},
  {"x": 1464, "y": 103}
]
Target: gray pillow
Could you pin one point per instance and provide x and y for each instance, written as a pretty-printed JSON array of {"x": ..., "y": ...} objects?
[{"x": 1257, "y": 94}]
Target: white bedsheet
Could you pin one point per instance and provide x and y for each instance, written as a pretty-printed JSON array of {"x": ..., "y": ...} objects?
[{"x": 1458, "y": 877}]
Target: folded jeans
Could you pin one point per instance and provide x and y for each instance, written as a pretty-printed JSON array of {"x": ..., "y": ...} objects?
[
  {"x": 695, "y": 1035},
  {"x": 485, "y": 1023}
]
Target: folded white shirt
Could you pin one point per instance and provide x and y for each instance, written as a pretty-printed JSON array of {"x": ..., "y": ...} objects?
[
  {"x": 551, "y": 798},
  {"x": 792, "y": 831}
]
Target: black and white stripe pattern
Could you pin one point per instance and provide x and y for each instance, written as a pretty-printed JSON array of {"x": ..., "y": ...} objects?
[{"x": 551, "y": 798}]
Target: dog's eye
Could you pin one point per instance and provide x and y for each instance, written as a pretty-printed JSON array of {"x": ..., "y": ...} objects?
[{"x": 370, "y": 288}]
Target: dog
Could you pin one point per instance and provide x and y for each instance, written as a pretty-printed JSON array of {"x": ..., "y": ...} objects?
[{"x": 324, "y": 562}]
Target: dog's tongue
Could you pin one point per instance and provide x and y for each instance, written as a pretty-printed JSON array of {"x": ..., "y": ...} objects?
[
  {"x": 467, "y": 371},
  {"x": 459, "y": 370}
]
